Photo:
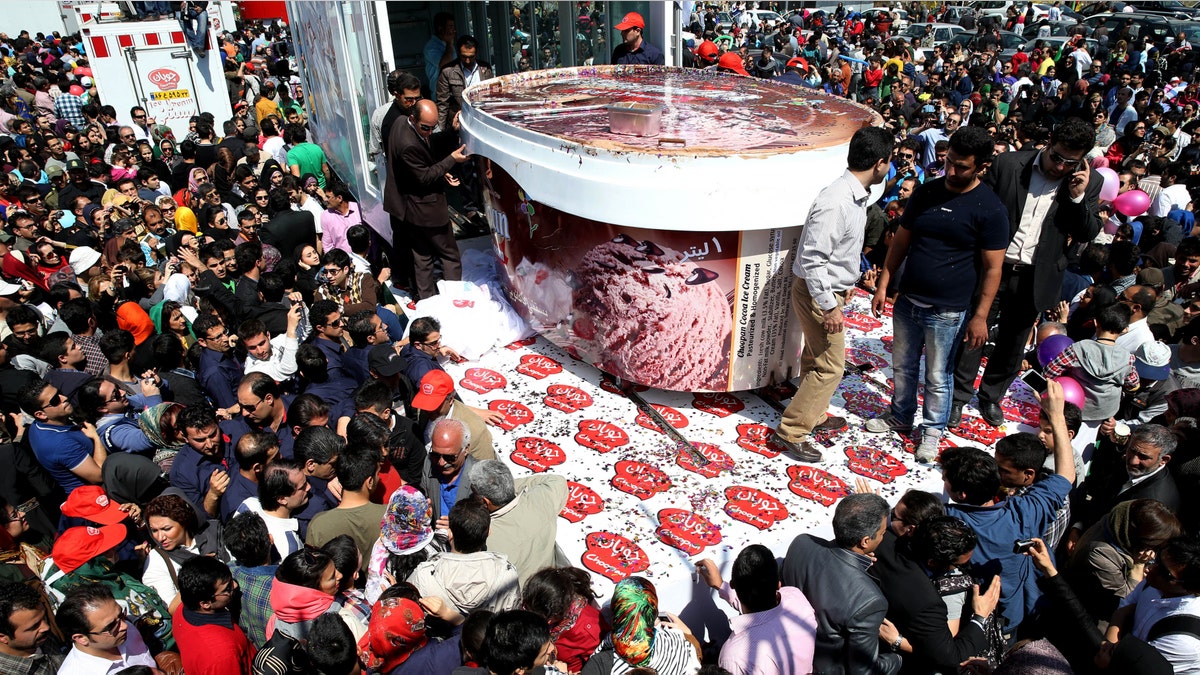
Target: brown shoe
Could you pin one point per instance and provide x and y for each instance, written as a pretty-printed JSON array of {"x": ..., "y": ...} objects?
[
  {"x": 831, "y": 423},
  {"x": 801, "y": 452}
]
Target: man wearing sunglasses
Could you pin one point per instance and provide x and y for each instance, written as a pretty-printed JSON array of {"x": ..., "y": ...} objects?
[
  {"x": 1052, "y": 197},
  {"x": 422, "y": 162},
  {"x": 72, "y": 454},
  {"x": 104, "y": 640}
]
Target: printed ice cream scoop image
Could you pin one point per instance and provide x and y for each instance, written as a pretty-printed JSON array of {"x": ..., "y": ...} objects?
[{"x": 645, "y": 314}]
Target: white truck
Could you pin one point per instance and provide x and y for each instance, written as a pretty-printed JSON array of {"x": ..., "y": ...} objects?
[{"x": 149, "y": 64}]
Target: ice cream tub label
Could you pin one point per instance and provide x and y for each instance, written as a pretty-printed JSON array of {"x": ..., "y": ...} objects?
[{"x": 665, "y": 265}]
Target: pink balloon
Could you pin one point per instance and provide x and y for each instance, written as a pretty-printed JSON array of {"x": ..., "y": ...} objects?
[
  {"x": 83, "y": 71},
  {"x": 1072, "y": 391},
  {"x": 1133, "y": 203},
  {"x": 1111, "y": 225},
  {"x": 1100, "y": 162},
  {"x": 1112, "y": 184},
  {"x": 76, "y": 90}
]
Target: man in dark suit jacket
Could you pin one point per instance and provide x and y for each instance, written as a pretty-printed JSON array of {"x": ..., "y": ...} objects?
[
  {"x": 833, "y": 575},
  {"x": 420, "y": 180},
  {"x": 1052, "y": 198},
  {"x": 1145, "y": 476},
  {"x": 903, "y": 567}
]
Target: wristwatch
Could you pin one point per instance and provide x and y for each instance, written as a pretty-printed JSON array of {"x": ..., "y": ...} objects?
[{"x": 896, "y": 645}]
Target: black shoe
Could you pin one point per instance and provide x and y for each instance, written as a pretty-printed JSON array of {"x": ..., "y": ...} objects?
[
  {"x": 991, "y": 413},
  {"x": 955, "y": 416},
  {"x": 802, "y": 452}
]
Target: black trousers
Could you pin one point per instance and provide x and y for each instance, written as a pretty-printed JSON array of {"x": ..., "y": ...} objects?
[
  {"x": 1014, "y": 311},
  {"x": 401, "y": 257},
  {"x": 429, "y": 246}
]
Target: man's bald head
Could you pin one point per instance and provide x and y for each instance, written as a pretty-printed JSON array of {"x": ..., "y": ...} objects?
[{"x": 425, "y": 117}]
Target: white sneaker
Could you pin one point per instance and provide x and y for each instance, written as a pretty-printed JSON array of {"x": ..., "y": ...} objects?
[
  {"x": 882, "y": 425},
  {"x": 927, "y": 451}
]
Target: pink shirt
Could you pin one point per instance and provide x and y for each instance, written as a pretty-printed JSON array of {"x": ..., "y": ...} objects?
[
  {"x": 778, "y": 641},
  {"x": 334, "y": 226}
]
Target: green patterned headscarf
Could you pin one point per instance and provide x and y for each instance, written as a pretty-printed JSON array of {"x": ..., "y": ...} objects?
[{"x": 634, "y": 611}]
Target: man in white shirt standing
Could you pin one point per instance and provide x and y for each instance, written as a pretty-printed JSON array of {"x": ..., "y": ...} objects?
[
  {"x": 273, "y": 356},
  {"x": 282, "y": 491},
  {"x": 826, "y": 269},
  {"x": 1174, "y": 193},
  {"x": 103, "y": 639}
]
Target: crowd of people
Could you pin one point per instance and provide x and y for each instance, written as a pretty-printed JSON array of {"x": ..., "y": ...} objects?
[{"x": 230, "y": 450}]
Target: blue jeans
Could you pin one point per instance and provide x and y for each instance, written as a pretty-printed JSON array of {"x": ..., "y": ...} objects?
[
  {"x": 395, "y": 324},
  {"x": 939, "y": 334},
  {"x": 195, "y": 31}
]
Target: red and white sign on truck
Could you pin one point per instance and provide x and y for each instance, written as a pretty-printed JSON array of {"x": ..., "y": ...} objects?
[{"x": 150, "y": 64}]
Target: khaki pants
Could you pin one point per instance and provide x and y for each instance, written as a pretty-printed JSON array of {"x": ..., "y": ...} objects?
[{"x": 822, "y": 363}]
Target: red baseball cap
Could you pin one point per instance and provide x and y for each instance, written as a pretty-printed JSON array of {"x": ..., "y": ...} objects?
[
  {"x": 797, "y": 61},
  {"x": 78, "y": 545},
  {"x": 632, "y": 20},
  {"x": 90, "y": 502},
  {"x": 433, "y": 390},
  {"x": 707, "y": 50},
  {"x": 732, "y": 61}
]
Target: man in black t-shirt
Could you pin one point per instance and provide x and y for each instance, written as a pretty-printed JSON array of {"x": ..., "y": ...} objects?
[{"x": 954, "y": 231}]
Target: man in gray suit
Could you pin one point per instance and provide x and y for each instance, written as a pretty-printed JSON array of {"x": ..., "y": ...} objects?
[{"x": 833, "y": 575}]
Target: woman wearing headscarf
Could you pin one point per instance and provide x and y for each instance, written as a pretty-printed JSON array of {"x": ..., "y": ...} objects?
[
  {"x": 1110, "y": 558},
  {"x": 190, "y": 196},
  {"x": 158, "y": 423},
  {"x": 15, "y": 266},
  {"x": 563, "y": 596},
  {"x": 178, "y": 289},
  {"x": 169, "y": 319},
  {"x": 406, "y": 540},
  {"x": 639, "y": 640}
]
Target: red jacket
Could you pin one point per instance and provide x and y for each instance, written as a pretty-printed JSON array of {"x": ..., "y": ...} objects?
[{"x": 211, "y": 649}]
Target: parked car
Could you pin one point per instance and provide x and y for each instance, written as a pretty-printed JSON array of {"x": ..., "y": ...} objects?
[
  {"x": 1009, "y": 42},
  {"x": 758, "y": 16},
  {"x": 1190, "y": 30},
  {"x": 955, "y": 14},
  {"x": 1060, "y": 27},
  {"x": 1140, "y": 24},
  {"x": 997, "y": 8},
  {"x": 942, "y": 32},
  {"x": 1171, "y": 8}
]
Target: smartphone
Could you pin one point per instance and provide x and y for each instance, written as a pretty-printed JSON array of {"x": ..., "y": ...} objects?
[
  {"x": 1022, "y": 545},
  {"x": 1035, "y": 380}
]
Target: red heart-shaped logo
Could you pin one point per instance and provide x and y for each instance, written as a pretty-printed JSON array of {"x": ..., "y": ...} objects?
[
  {"x": 816, "y": 484},
  {"x": 687, "y": 531},
  {"x": 524, "y": 342},
  {"x": 582, "y": 501},
  {"x": 671, "y": 415},
  {"x": 538, "y": 367},
  {"x": 639, "y": 479},
  {"x": 859, "y": 356},
  {"x": 865, "y": 404},
  {"x": 566, "y": 398},
  {"x": 1022, "y": 411},
  {"x": 911, "y": 447},
  {"x": 717, "y": 403},
  {"x": 482, "y": 380},
  {"x": 887, "y": 343},
  {"x": 463, "y": 304},
  {"x": 754, "y": 507},
  {"x": 600, "y": 436},
  {"x": 537, "y": 454},
  {"x": 756, "y": 439},
  {"x": 860, "y": 321},
  {"x": 874, "y": 463},
  {"x": 718, "y": 460},
  {"x": 975, "y": 429},
  {"x": 613, "y": 556},
  {"x": 515, "y": 414}
]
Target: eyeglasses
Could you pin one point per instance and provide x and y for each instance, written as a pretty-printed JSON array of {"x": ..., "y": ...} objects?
[
  {"x": 218, "y": 336},
  {"x": 221, "y": 221},
  {"x": 58, "y": 400},
  {"x": 433, "y": 343},
  {"x": 112, "y": 628},
  {"x": 427, "y": 127},
  {"x": 1065, "y": 162}
]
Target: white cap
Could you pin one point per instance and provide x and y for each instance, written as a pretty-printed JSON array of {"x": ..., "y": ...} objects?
[
  {"x": 83, "y": 258},
  {"x": 86, "y": 82},
  {"x": 8, "y": 288}
]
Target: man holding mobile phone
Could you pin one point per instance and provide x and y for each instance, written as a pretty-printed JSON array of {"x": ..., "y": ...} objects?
[{"x": 1052, "y": 197}]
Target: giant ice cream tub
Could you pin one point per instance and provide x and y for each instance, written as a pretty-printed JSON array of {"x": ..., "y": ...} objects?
[{"x": 664, "y": 260}]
